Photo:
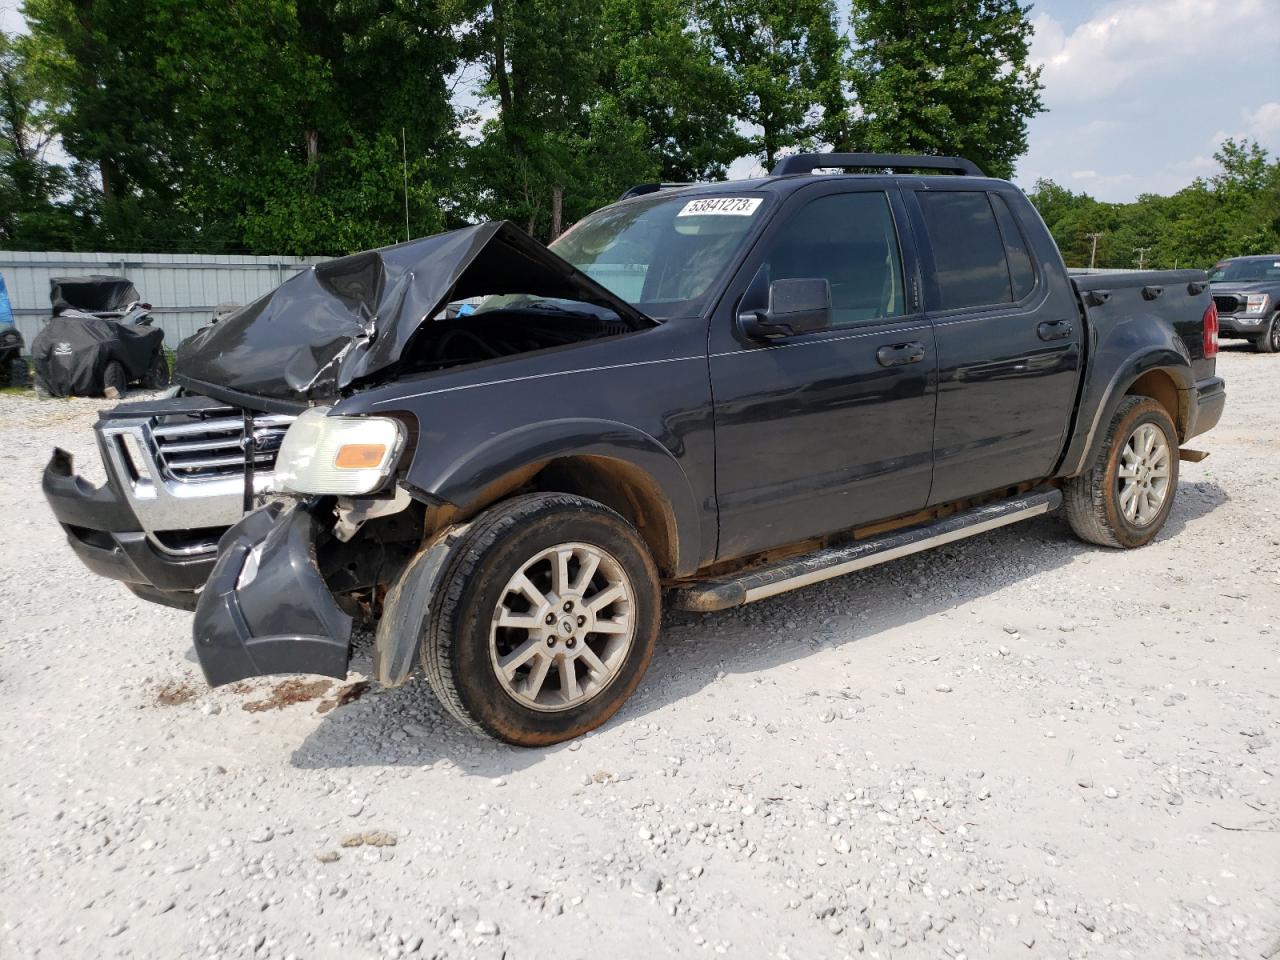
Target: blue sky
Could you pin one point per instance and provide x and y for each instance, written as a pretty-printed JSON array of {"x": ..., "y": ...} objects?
[{"x": 1139, "y": 92}]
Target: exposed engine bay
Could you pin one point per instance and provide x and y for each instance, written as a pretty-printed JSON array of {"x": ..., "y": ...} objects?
[{"x": 492, "y": 334}]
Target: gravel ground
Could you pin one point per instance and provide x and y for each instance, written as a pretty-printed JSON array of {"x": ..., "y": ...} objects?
[{"x": 1012, "y": 746}]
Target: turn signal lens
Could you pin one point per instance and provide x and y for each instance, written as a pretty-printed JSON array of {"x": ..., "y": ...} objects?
[{"x": 360, "y": 456}]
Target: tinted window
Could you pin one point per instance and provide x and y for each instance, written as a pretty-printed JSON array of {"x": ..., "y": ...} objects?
[
  {"x": 1021, "y": 272},
  {"x": 849, "y": 239},
  {"x": 968, "y": 253}
]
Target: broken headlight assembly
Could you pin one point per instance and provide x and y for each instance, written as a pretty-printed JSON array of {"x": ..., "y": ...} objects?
[{"x": 321, "y": 454}]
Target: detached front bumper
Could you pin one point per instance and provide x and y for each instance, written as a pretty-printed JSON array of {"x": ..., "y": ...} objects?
[
  {"x": 107, "y": 536},
  {"x": 266, "y": 608}
]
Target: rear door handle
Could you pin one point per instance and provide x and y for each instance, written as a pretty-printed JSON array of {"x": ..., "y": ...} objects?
[
  {"x": 1055, "y": 330},
  {"x": 900, "y": 353}
]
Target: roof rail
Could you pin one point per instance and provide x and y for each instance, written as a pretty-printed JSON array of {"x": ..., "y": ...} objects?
[
  {"x": 640, "y": 189},
  {"x": 808, "y": 162}
]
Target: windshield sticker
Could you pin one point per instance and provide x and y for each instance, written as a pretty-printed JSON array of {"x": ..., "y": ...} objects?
[{"x": 720, "y": 207}]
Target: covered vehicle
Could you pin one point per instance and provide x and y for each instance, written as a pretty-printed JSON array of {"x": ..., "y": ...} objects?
[
  {"x": 13, "y": 368},
  {"x": 98, "y": 341}
]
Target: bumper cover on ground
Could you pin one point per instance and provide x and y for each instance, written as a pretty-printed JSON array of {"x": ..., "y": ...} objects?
[
  {"x": 107, "y": 537},
  {"x": 266, "y": 608}
]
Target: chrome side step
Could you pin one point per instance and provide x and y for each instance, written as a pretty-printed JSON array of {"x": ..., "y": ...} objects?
[{"x": 747, "y": 586}]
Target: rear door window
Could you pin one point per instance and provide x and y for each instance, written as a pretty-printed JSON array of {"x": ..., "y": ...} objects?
[{"x": 968, "y": 251}]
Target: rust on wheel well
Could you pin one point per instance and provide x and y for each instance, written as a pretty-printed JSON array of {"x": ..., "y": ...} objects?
[
  {"x": 1162, "y": 388},
  {"x": 616, "y": 484}
]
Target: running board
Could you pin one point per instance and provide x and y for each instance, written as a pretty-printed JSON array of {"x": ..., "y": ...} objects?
[{"x": 747, "y": 586}]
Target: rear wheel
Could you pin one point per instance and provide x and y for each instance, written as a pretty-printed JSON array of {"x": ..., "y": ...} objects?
[
  {"x": 157, "y": 377},
  {"x": 114, "y": 380},
  {"x": 544, "y": 621},
  {"x": 1269, "y": 342},
  {"x": 18, "y": 373},
  {"x": 1125, "y": 496}
]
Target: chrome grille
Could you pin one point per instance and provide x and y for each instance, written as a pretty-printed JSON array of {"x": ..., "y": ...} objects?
[
  {"x": 1227, "y": 303},
  {"x": 204, "y": 447}
]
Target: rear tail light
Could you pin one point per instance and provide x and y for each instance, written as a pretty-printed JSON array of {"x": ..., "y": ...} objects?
[{"x": 1211, "y": 331}]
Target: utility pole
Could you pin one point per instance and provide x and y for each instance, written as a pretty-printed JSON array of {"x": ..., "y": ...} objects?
[
  {"x": 404, "y": 159},
  {"x": 1142, "y": 255},
  {"x": 1093, "y": 253}
]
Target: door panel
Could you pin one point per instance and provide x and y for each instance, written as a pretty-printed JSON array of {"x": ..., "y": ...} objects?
[
  {"x": 1007, "y": 369},
  {"x": 828, "y": 430}
]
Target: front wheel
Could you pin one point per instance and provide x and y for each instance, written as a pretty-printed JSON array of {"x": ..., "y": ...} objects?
[
  {"x": 1124, "y": 497},
  {"x": 544, "y": 620},
  {"x": 1269, "y": 342},
  {"x": 157, "y": 376}
]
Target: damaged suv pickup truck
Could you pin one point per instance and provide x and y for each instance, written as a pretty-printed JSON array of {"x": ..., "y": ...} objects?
[{"x": 720, "y": 391}]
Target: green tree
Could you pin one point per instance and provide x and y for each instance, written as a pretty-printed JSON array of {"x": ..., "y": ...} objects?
[
  {"x": 785, "y": 59},
  {"x": 35, "y": 195},
  {"x": 948, "y": 77},
  {"x": 662, "y": 71}
]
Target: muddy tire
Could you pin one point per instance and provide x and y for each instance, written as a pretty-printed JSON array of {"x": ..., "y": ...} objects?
[
  {"x": 114, "y": 380},
  {"x": 1269, "y": 342},
  {"x": 544, "y": 619},
  {"x": 157, "y": 377},
  {"x": 1124, "y": 497}
]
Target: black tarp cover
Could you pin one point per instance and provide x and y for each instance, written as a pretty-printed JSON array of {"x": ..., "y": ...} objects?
[
  {"x": 72, "y": 350},
  {"x": 350, "y": 318},
  {"x": 97, "y": 294}
]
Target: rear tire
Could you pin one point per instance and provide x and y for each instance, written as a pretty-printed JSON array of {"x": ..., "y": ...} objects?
[
  {"x": 1269, "y": 342},
  {"x": 1124, "y": 498},
  {"x": 18, "y": 373},
  {"x": 543, "y": 621},
  {"x": 114, "y": 380},
  {"x": 157, "y": 377}
]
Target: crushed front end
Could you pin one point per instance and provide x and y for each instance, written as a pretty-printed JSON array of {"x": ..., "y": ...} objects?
[{"x": 174, "y": 484}]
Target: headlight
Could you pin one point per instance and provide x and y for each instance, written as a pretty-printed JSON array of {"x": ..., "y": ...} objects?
[
  {"x": 1256, "y": 303},
  {"x": 344, "y": 455}
]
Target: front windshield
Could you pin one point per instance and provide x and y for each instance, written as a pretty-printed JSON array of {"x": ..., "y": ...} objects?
[
  {"x": 661, "y": 253},
  {"x": 1245, "y": 271}
]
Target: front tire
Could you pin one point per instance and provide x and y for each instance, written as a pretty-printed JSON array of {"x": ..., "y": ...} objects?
[
  {"x": 1125, "y": 496},
  {"x": 1269, "y": 342},
  {"x": 157, "y": 377},
  {"x": 544, "y": 620}
]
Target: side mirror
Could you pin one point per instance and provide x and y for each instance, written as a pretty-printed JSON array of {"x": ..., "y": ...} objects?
[{"x": 795, "y": 306}]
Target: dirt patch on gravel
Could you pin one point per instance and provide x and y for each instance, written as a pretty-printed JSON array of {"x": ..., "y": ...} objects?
[
  {"x": 175, "y": 693},
  {"x": 288, "y": 692}
]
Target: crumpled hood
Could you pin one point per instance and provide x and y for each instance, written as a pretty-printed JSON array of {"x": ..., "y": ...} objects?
[{"x": 348, "y": 319}]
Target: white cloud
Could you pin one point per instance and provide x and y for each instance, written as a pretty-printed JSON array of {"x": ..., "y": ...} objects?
[
  {"x": 1263, "y": 125},
  {"x": 1135, "y": 39},
  {"x": 1083, "y": 174}
]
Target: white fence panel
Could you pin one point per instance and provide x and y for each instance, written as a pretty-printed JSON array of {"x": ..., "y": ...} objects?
[{"x": 184, "y": 290}]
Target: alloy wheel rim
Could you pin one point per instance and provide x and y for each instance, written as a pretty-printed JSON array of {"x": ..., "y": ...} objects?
[
  {"x": 562, "y": 627},
  {"x": 1145, "y": 474}
]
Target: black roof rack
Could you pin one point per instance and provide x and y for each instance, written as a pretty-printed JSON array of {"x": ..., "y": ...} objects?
[
  {"x": 640, "y": 189},
  {"x": 809, "y": 162}
]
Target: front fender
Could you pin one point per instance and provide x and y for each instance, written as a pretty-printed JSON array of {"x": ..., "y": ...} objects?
[{"x": 465, "y": 480}]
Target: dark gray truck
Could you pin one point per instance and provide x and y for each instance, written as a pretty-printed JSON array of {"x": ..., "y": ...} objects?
[
  {"x": 1246, "y": 291},
  {"x": 710, "y": 393}
]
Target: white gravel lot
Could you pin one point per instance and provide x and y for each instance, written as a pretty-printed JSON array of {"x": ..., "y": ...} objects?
[{"x": 1017, "y": 745}]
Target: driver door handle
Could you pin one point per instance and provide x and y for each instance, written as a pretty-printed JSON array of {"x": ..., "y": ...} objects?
[{"x": 899, "y": 354}]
